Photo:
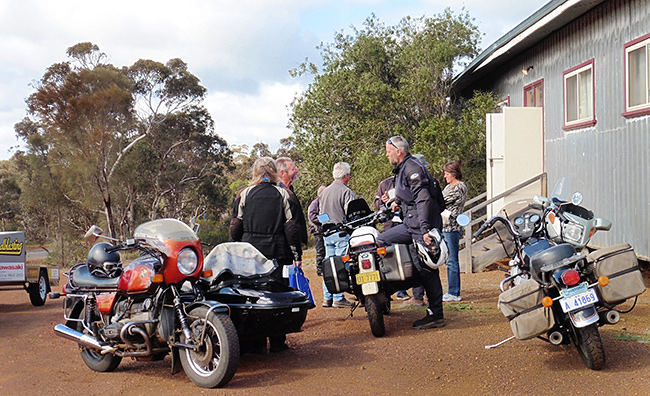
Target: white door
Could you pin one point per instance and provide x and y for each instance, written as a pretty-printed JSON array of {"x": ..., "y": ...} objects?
[{"x": 515, "y": 153}]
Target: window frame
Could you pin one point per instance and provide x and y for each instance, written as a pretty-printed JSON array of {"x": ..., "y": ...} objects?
[
  {"x": 643, "y": 109},
  {"x": 575, "y": 71},
  {"x": 532, "y": 86}
]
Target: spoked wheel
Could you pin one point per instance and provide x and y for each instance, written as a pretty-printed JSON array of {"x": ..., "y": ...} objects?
[
  {"x": 590, "y": 346},
  {"x": 93, "y": 359},
  {"x": 214, "y": 362},
  {"x": 375, "y": 315},
  {"x": 38, "y": 291}
]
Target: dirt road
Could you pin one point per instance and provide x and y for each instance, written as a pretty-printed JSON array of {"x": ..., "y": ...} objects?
[{"x": 338, "y": 356}]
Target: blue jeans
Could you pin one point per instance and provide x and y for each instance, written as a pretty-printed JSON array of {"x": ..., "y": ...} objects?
[
  {"x": 453, "y": 267},
  {"x": 335, "y": 245}
]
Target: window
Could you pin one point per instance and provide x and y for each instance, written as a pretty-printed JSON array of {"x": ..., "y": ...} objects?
[
  {"x": 579, "y": 96},
  {"x": 637, "y": 77},
  {"x": 534, "y": 94}
]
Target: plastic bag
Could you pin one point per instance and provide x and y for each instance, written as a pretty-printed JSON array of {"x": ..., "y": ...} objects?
[{"x": 298, "y": 280}]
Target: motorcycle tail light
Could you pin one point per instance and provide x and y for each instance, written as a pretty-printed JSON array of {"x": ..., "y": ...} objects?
[
  {"x": 570, "y": 277},
  {"x": 603, "y": 280},
  {"x": 365, "y": 264}
]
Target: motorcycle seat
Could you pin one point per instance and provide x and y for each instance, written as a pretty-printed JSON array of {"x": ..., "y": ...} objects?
[
  {"x": 82, "y": 277},
  {"x": 549, "y": 256}
]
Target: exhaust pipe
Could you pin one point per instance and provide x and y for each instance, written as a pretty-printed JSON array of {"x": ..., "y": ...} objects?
[
  {"x": 83, "y": 339},
  {"x": 612, "y": 317},
  {"x": 556, "y": 338}
]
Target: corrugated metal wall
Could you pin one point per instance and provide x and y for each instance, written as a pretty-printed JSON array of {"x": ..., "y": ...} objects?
[{"x": 609, "y": 162}]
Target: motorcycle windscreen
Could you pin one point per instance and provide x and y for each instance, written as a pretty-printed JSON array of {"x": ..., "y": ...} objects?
[{"x": 357, "y": 208}]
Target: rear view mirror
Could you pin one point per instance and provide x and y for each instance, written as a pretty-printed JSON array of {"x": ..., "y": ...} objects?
[
  {"x": 92, "y": 234},
  {"x": 323, "y": 218},
  {"x": 463, "y": 220}
]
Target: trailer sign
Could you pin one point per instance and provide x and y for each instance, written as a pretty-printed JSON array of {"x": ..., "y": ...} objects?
[{"x": 12, "y": 257}]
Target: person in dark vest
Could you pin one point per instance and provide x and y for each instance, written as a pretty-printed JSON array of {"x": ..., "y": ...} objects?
[{"x": 262, "y": 217}]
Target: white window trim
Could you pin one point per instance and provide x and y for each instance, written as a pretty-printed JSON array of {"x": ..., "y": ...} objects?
[
  {"x": 580, "y": 121},
  {"x": 631, "y": 48}
]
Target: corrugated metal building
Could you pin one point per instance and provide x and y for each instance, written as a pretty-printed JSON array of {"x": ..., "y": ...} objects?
[{"x": 587, "y": 63}]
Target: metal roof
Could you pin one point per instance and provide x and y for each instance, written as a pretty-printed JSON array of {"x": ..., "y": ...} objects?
[{"x": 550, "y": 17}]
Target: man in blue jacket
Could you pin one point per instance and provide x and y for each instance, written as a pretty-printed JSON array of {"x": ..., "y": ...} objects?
[{"x": 419, "y": 197}]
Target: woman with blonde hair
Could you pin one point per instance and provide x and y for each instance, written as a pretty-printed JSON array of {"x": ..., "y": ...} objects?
[{"x": 262, "y": 217}]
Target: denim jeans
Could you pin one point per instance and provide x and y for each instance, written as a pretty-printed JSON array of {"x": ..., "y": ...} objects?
[
  {"x": 453, "y": 267},
  {"x": 335, "y": 245}
]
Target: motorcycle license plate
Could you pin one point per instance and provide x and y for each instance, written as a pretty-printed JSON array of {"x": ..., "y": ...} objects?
[
  {"x": 368, "y": 277},
  {"x": 578, "y": 301}
]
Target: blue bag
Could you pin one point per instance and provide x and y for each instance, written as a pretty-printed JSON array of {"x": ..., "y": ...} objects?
[{"x": 298, "y": 280}]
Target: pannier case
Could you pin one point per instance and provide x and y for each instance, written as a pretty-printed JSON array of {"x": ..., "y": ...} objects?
[
  {"x": 620, "y": 265},
  {"x": 522, "y": 306},
  {"x": 336, "y": 275},
  {"x": 396, "y": 265}
]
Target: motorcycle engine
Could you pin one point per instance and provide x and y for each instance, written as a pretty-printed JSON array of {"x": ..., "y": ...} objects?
[{"x": 127, "y": 311}]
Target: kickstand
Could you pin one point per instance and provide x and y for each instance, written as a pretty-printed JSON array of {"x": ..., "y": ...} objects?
[
  {"x": 356, "y": 304},
  {"x": 499, "y": 343}
]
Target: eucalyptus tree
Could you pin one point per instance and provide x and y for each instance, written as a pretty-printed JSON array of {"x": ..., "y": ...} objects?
[{"x": 118, "y": 135}]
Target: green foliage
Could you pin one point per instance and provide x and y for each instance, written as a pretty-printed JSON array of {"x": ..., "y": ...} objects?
[
  {"x": 385, "y": 81},
  {"x": 116, "y": 147}
]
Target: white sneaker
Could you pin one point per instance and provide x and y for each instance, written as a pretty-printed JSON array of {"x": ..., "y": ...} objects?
[{"x": 450, "y": 297}]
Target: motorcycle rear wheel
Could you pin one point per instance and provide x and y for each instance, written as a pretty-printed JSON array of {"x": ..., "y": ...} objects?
[
  {"x": 214, "y": 364},
  {"x": 93, "y": 359},
  {"x": 590, "y": 346},
  {"x": 375, "y": 315}
]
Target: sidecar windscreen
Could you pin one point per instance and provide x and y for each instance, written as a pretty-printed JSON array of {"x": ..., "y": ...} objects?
[{"x": 357, "y": 208}]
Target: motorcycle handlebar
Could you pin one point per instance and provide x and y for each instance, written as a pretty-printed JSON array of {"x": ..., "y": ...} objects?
[
  {"x": 348, "y": 227},
  {"x": 490, "y": 223}
]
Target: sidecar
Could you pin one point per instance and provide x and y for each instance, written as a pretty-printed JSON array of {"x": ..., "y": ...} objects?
[{"x": 259, "y": 305}]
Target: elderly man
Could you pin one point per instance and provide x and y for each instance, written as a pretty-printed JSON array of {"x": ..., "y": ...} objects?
[
  {"x": 419, "y": 197},
  {"x": 334, "y": 202},
  {"x": 287, "y": 174}
]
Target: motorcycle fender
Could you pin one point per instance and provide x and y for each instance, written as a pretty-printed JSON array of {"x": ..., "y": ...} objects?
[
  {"x": 584, "y": 317},
  {"x": 214, "y": 306},
  {"x": 370, "y": 288}
]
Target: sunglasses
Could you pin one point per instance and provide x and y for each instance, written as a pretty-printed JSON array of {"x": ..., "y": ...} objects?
[{"x": 391, "y": 143}]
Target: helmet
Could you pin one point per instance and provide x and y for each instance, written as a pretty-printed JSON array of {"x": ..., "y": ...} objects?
[
  {"x": 434, "y": 255},
  {"x": 102, "y": 263}
]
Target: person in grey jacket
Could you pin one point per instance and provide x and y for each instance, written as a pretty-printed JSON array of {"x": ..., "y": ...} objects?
[{"x": 334, "y": 202}]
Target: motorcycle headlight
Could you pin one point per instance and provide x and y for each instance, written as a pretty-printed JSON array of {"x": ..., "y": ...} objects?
[
  {"x": 187, "y": 261},
  {"x": 573, "y": 232}
]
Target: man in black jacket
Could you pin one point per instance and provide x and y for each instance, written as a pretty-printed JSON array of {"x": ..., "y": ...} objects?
[{"x": 419, "y": 197}]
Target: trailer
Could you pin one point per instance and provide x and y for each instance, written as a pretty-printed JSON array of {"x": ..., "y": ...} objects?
[{"x": 36, "y": 278}]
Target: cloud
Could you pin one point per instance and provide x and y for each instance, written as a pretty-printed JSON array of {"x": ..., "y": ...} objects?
[{"x": 248, "y": 119}]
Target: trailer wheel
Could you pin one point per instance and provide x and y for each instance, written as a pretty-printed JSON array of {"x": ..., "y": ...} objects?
[{"x": 38, "y": 291}]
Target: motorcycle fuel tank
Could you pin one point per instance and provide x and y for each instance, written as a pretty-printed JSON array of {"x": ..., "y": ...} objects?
[{"x": 137, "y": 276}]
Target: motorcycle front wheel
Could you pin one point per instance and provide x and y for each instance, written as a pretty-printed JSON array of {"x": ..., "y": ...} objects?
[
  {"x": 214, "y": 362},
  {"x": 93, "y": 359},
  {"x": 375, "y": 315},
  {"x": 590, "y": 346}
]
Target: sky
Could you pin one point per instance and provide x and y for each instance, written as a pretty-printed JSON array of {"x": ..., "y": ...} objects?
[{"x": 241, "y": 50}]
